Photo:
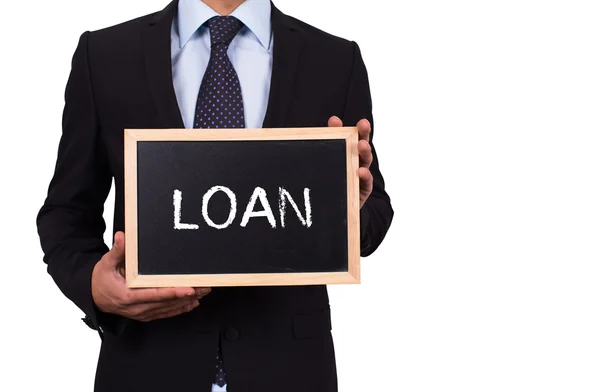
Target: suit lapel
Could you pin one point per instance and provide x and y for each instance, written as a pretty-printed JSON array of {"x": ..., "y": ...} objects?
[
  {"x": 286, "y": 53},
  {"x": 157, "y": 56}
]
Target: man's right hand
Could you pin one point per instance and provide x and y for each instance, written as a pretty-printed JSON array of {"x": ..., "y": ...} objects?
[{"x": 111, "y": 295}]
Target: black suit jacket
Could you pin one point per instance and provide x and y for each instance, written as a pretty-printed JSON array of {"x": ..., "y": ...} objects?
[{"x": 272, "y": 338}]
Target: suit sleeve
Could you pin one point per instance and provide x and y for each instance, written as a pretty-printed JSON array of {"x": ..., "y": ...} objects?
[
  {"x": 377, "y": 213},
  {"x": 70, "y": 223}
]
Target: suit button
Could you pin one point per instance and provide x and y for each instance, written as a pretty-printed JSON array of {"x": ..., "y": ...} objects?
[{"x": 232, "y": 334}]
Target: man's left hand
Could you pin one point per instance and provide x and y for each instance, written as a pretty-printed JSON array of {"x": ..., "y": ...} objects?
[{"x": 365, "y": 156}]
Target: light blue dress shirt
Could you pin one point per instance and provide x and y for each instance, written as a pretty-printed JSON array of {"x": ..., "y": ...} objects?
[{"x": 250, "y": 53}]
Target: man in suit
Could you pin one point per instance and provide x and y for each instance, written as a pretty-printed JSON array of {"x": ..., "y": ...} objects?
[{"x": 157, "y": 71}]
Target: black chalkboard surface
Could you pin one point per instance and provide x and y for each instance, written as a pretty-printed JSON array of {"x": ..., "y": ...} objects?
[{"x": 241, "y": 207}]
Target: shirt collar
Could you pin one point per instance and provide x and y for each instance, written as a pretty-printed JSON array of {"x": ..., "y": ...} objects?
[{"x": 254, "y": 14}]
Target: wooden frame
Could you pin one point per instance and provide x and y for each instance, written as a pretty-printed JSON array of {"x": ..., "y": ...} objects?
[{"x": 132, "y": 136}]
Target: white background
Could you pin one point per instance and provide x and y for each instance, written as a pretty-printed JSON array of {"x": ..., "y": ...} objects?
[{"x": 487, "y": 119}]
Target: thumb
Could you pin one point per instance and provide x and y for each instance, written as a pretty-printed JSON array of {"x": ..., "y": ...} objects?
[
  {"x": 117, "y": 253},
  {"x": 335, "y": 121}
]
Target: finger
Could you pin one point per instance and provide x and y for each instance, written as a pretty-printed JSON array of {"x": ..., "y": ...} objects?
[
  {"x": 364, "y": 154},
  {"x": 137, "y": 296},
  {"x": 145, "y": 311},
  {"x": 117, "y": 252},
  {"x": 364, "y": 129},
  {"x": 366, "y": 180},
  {"x": 170, "y": 313},
  {"x": 202, "y": 291},
  {"x": 139, "y": 311},
  {"x": 334, "y": 121}
]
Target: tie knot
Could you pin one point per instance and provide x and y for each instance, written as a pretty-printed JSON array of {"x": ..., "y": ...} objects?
[{"x": 223, "y": 29}]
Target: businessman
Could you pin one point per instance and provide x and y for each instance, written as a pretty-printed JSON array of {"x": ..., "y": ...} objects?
[{"x": 184, "y": 67}]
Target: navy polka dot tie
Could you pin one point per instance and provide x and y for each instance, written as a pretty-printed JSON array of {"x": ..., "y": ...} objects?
[
  {"x": 220, "y": 376},
  {"x": 220, "y": 102}
]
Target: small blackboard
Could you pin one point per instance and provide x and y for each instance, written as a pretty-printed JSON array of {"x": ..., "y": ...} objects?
[{"x": 242, "y": 207}]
